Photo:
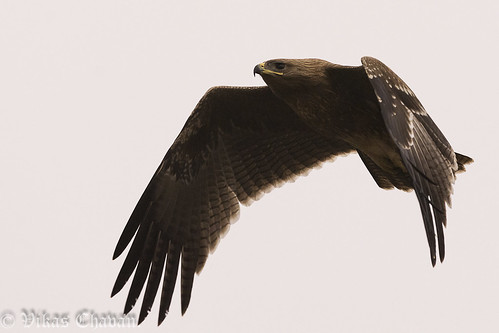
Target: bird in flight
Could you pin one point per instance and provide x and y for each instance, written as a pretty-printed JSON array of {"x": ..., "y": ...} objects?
[{"x": 241, "y": 142}]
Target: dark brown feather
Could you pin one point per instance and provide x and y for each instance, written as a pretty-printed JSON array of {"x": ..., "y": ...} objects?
[
  {"x": 426, "y": 153},
  {"x": 238, "y": 144}
]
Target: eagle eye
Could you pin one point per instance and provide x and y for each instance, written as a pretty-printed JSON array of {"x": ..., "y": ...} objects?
[{"x": 279, "y": 65}]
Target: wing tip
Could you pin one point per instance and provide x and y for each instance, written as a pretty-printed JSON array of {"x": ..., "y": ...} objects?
[
  {"x": 144, "y": 312},
  {"x": 115, "y": 290},
  {"x": 185, "y": 305},
  {"x": 121, "y": 245},
  {"x": 117, "y": 252},
  {"x": 162, "y": 316},
  {"x": 130, "y": 303}
]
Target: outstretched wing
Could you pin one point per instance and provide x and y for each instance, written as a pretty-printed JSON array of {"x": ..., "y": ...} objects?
[
  {"x": 426, "y": 153},
  {"x": 237, "y": 144}
]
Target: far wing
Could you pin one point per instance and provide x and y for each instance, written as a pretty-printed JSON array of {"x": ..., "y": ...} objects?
[
  {"x": 237, "y": 144},
  {"x": 426, "y": 153}
]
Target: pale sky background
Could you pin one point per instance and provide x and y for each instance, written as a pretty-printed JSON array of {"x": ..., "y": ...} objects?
[{"x": 93, "y": 93}]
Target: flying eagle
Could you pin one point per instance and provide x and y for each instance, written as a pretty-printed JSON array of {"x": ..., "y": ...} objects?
[{"x": 241, "y": 142}]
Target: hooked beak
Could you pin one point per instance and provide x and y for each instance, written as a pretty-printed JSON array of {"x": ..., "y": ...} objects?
[{"x": 260, "y": 69}]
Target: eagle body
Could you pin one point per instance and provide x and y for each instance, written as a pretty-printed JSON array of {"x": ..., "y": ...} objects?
[
  {"x": 342, "y": 105},
  {"x": 241, "y": 142}
]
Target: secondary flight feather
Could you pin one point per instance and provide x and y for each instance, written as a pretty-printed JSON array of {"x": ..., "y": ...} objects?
[{"x": 241, "y": 142}]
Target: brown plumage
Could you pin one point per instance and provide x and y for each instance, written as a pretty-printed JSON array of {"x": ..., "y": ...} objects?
[{"x": 240, "y": 143}]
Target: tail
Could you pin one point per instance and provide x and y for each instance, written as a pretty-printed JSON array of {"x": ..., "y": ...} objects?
[{"x": 462, "y": 160}]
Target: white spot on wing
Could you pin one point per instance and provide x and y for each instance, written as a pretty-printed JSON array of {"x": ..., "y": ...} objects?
[
  {"x": 404, "y": 88},
  {"x": 411, "y": 128}
]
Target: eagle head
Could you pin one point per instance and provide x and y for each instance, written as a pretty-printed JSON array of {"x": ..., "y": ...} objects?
[{"x": 288, "y": 78}]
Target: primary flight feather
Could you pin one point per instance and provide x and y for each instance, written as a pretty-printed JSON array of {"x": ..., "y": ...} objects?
[{"x": 241, "y": 142}]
